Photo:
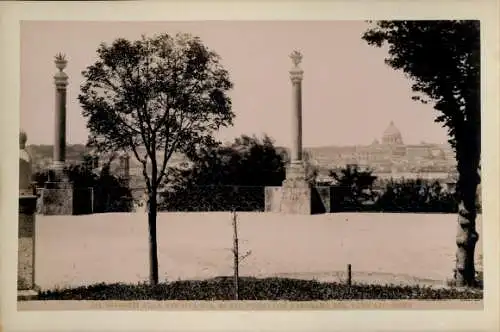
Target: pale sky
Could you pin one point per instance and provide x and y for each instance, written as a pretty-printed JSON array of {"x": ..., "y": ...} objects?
[{"x": 349, "y": 94}]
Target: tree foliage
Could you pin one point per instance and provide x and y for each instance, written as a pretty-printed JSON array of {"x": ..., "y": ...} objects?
[
  {"x": 248, "y": 161},
  {"x": 165, "y": 94},
  {"x": 226, "y": 177},
  {"x": 353, "y": 186},
  {"x": 408, "y": 195},
  {"x": 442, "y": 58}
]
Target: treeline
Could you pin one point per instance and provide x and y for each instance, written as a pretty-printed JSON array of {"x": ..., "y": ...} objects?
[
  {"x": 234, "y": 177},
  {"x": 42, "y": 151},
  {"x": 353, "y": 191}
]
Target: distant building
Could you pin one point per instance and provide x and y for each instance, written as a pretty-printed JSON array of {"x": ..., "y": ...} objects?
[{"x": 390, "y": 157}]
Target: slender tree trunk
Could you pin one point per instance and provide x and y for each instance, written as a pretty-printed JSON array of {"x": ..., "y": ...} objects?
[
  {"x": 236, "y": 256},
  {"x": 153, "y": 246},
  {"x": 467, "y": 236}
]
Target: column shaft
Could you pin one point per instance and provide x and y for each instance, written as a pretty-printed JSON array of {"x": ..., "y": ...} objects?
[
  {"x": 60, "y": 126},
  {"x": 296, "y": 154}
]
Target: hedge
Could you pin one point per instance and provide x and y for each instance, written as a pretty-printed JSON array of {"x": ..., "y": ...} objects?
[
  {"x": 405, "y": 198},
  {"x": 214, "y": 198},
  {"x": 250, "y": 288}
]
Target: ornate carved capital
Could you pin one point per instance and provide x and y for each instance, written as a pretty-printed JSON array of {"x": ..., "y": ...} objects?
[{"x": 296, "y": 76}]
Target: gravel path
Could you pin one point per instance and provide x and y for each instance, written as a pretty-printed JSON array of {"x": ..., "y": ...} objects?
[{"x": 382, "y": 248}]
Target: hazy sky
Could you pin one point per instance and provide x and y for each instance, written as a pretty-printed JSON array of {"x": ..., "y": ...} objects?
[{"x": 349, "y": 94}]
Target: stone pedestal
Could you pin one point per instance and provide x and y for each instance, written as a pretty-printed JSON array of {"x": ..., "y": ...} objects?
[
  {"x": 297, "y": 196},
  {"x": 296, "y": 200},
  {"x": 57, "y": 198},
  {"x": 296, "y": 191},
  {"x": 26, "y": 247},
  {"x": 299, "y": 200},
  {"x": 294, "y": 196}
]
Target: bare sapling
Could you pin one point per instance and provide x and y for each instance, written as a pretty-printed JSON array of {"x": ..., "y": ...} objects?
[{"x": 236, "y": 255}]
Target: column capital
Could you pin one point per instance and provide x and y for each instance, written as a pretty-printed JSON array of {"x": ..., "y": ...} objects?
[
  {"x": 296, "y": 75},
  {"x": 61, "y": 79}
]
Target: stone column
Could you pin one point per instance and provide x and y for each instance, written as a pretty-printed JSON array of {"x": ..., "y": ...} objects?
[
  {"x": 296, "y": 173},
  {"x": 26, "y": 288},
  {"x": 57, "y": 196},
  {"x": 296, "y": 76},
  {"x": 296, "y": 195},
  {"x": 61, "y": 83}
]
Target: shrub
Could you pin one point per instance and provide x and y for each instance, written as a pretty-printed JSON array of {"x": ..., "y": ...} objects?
[
  {"x": 416, "y": 196},
  {"x": 352, "y": 188},
  {"x": 214, "y": 198}
]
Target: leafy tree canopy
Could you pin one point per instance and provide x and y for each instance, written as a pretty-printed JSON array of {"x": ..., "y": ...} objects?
[
  {"x": 166, "y": 94},
  {"x": 248, "y": 161},
  {"x": 354, "y": 186},
  {"x": 443, "y": 60}
]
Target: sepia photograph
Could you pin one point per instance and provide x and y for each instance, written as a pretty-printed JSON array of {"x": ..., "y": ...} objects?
[
  {"x": 250, "y": 164},
  {"x": 192, "y": 161}
]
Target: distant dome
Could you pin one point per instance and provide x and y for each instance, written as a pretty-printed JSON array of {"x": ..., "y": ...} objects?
[
  {"x": 375, "y": 142},
  {"x": 392, "y": 135}
]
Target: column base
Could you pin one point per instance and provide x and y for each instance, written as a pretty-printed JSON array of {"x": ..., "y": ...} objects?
[
  {"x": 295, "y": 175},
  {"x": 299, "y": 200},
  {"x": 58, "y": 165},
  {"x": 296, "y": 198}
]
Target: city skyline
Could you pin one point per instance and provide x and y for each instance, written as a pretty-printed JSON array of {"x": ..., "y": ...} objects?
[{"x": 256, "y": 56}]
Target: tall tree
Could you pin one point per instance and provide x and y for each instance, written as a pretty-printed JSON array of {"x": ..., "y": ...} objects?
[
  {"x": 227, "y": 177},
  {"x": 442, "y": 59},
  {"x": 155, "y": 96}
]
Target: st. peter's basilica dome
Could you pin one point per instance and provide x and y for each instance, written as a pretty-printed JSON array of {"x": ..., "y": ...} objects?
[{"x": 392, "y": 135}]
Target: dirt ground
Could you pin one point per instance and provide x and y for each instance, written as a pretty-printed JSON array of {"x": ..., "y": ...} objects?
[{"x": 381, "y": 248}]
